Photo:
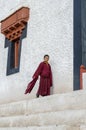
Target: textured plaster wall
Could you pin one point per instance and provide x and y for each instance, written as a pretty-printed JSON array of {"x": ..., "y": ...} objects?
[{"x": 50, "y": 31}]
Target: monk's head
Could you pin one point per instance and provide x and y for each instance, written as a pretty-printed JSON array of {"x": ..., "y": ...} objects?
[{"x": 46, "y": 58}]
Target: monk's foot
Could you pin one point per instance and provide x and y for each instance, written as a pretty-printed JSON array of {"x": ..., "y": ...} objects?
[{"x": 37, "y": 95}]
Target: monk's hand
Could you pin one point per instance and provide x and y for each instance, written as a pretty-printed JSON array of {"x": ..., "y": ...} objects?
[{"x": 33, "y": 77}]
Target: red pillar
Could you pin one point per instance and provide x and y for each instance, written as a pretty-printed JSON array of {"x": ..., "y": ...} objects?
[{"x": 82, "y": 70}]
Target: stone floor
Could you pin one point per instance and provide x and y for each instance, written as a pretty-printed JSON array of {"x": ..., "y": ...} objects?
[{"x": 56, "y": 112}]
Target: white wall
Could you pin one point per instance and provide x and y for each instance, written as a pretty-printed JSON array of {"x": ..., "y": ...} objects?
[{"x": 50, "y": 31}]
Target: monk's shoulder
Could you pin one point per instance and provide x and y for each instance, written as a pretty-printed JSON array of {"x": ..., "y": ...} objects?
[{"x": 41, "y": 64}]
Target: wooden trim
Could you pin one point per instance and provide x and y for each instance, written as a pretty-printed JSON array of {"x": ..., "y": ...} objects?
[{"x": 17, "y": 44}]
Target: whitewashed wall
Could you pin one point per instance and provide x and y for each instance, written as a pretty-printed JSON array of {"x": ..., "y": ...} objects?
[{"x": 50, "y": 31}]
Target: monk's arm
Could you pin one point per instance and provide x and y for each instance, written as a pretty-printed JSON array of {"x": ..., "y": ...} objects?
[{"x": 38, "y": 70}]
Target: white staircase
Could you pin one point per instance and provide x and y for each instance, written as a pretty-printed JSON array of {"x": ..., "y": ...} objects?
[{"x": 56, "y": 112}]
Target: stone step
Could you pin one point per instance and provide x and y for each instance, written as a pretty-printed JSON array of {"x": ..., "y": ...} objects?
[
  {"x": 53, "y": 103},
  {"x": 60, "y": 127},
  {"x": 67, "y": 117},
  {"x": 83, "y": 127}
]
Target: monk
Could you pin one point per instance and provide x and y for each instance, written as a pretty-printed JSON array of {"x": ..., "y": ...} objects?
[{"x": 45, "y": 73}]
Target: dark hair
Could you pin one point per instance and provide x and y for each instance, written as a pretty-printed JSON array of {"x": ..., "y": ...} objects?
[{"x": 46, "y": 55}]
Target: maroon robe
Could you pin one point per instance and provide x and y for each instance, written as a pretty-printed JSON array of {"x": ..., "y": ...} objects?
[{"x": 44, "y": 70}]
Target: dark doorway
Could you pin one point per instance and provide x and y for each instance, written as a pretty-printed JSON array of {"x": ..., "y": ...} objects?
[{"x": 79, "y": 40}]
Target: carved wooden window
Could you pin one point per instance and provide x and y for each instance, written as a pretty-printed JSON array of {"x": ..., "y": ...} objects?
[{"x": 14, "y": 28}]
